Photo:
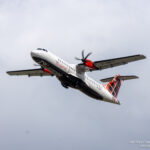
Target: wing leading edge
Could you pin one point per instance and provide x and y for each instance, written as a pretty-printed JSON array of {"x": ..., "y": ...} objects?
[{"x": 31, "y": 72}]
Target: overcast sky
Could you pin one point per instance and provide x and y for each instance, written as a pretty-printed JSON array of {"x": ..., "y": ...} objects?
[{"x": 38, "y": 113}]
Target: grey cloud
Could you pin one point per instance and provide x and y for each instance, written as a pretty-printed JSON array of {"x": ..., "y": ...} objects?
[{"x": 37, "y": 113}]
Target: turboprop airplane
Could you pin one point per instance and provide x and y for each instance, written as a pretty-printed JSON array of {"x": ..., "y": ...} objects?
[{"x": 75, "y": 76}]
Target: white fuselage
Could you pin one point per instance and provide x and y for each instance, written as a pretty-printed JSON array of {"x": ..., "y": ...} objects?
[{"x": 60, "y": 66}]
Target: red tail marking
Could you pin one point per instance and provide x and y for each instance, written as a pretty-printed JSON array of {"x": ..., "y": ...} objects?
[{"x": 114, "y": 86}]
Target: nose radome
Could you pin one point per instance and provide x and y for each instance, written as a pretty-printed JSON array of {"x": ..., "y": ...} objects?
[{"x": 33, "y": 53}]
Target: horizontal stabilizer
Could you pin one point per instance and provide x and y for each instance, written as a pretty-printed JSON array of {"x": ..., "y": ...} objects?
[{"x": 120, "y": 77}]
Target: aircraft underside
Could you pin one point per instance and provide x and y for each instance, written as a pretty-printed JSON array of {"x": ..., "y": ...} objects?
[
  {"x": 68, "y": 80},
  {"x": 73, "y": 82}
]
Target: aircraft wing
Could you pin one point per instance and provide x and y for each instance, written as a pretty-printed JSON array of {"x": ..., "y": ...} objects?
[
  {"x": 104, "y": 64},
  {"x": 32, "y": 72}
]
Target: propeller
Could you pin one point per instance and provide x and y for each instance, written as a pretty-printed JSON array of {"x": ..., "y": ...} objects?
[{"x": 83, "y": 59}]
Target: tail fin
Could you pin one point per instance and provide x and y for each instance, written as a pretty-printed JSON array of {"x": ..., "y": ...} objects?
[{"x": 115, "y": 83}]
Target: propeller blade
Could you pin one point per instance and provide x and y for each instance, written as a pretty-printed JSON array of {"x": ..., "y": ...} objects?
[
  {"x": 77, "y": 58},
  {"x": 88, "y": 55},
  {"x": 82, "y": 54},
  {"x": 83, "y": 58}
]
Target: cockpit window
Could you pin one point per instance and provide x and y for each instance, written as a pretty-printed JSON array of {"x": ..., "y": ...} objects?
[{"x": 42, "y": 49}]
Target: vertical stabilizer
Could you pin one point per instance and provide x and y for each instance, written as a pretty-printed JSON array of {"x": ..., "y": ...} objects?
[
  {"x": 115, "y": 83},
  {"x": 114, "y": 86}
]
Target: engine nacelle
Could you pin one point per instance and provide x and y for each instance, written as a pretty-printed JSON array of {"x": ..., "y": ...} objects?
[{"x": 89, "y": 64}]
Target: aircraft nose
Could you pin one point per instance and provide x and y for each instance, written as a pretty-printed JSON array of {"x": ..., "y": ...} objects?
[{"x": 33, "y": 53}]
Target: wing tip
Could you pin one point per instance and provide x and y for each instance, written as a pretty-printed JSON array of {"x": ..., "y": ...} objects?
[
  {"x": 136, "y": 77},
  {"x": 142, "y": 56},
  {"x": 8, "y": 72}
]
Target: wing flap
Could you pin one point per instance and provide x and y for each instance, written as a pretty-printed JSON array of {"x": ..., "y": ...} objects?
[{"x": 31, "y": 72}]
